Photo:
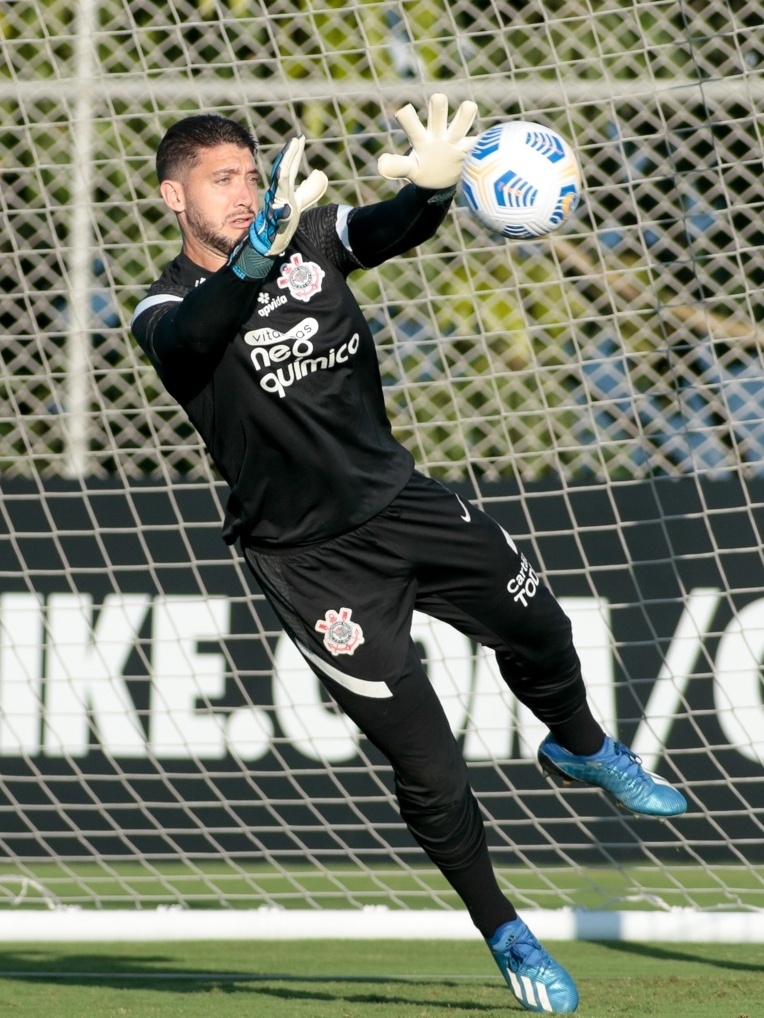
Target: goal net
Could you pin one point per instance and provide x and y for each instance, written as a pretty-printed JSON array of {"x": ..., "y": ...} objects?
[{"x": 163, "y": 749}]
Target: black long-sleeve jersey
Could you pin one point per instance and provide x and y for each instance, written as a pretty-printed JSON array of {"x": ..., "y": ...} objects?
[{"x": 280, "y": 376}]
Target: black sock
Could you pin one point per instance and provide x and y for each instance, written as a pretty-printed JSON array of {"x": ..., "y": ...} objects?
[
  {"x": 478, "y": 888},
  {"x": 580, "y": 734}
]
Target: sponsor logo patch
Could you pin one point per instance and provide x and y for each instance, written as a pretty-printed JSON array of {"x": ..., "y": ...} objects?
[
  {"x": 269, "y": 304},
  {"x": 299, "y": 336},
  {"x": 341, "y": 635},
  {"x": 524, "y": 586}
]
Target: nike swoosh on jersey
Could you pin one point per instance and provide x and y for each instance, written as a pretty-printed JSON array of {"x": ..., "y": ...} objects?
[{"x": 466, "y": 514}]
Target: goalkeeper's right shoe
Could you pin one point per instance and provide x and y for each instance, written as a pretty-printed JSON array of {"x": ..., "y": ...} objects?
[
  {"x": 538, "y": 982},
  {"x": 618, "y": 771}
]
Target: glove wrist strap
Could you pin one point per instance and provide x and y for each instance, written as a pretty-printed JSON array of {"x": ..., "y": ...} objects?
[
  {"x": 248, "y": 263},
  {"x": 437, "y": 196}
]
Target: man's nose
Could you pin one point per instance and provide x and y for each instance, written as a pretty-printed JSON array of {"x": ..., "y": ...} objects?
[{"x": 246, "y": 196}]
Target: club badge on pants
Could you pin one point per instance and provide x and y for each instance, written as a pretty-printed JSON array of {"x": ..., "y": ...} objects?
[{"x": 341, "y": 635}]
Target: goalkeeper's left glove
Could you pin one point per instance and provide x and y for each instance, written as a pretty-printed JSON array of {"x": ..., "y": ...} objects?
[
  {"x": 437, "y": 151},
  {"x": 276, "y": 222}
]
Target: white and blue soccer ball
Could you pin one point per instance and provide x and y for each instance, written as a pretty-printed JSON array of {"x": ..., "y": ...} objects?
[{"x": 521, "y": 180}]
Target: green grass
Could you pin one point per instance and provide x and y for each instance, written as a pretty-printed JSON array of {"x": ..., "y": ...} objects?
[
  {"x": 339, "y": 979},
  {"x": 248, "y": 885}
]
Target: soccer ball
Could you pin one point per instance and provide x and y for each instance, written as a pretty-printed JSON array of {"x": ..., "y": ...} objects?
[{"x": 521, "y": 180}]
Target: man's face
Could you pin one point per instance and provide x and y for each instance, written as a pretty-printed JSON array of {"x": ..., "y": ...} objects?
[{"x": 216, "y": 202}]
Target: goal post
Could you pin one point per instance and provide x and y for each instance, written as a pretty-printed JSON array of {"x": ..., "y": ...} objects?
[{"x": 168, "y": 765}]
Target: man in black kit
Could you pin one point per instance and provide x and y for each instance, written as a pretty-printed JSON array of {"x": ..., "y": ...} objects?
[{"x": 255, "y": 332}]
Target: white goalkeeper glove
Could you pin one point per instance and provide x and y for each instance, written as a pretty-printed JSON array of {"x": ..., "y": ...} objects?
[
  {"x": 437, "y": 151},
  {"x": 276, "y": 222}
]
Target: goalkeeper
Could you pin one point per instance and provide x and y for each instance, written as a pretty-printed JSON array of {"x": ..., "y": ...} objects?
[{"x": 254, "y": 330}]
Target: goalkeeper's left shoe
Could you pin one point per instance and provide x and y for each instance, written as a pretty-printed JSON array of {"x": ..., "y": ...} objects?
[
  {"x": 538, "y": 982},
  {"x": 618, "y": 771}
]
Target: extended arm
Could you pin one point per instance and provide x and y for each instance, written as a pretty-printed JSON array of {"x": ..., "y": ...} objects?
[
  {"x": 197, "y": 325},
  {"x": 389, "y": 228},
  {"x": 433, "y": 165}
]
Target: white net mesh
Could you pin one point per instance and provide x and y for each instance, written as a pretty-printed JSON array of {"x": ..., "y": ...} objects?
[{"x": 600, "y": 391}]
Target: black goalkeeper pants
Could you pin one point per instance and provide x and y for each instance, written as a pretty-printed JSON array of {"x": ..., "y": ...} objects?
[{"x": 348, "y": 604}]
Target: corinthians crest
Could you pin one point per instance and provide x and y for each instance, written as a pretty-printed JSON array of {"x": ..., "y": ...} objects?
[
  {"x": 341, "y": 635},
  {"x": 303, "y": 278}
]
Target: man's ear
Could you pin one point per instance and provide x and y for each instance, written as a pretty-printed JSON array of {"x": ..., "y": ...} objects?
[{"x": 173, "y": 195}]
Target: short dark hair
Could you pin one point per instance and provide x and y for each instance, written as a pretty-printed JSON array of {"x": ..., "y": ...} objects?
[{"x": 181, "y": 146}]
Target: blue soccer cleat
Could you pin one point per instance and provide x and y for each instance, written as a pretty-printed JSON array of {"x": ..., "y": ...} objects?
[
  {"x": 618, "y": 771},
  {"x": 537, "y": 981}
]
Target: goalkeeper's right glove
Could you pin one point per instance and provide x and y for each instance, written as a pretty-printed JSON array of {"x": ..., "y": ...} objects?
[{"x": 276, "y": 222}]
